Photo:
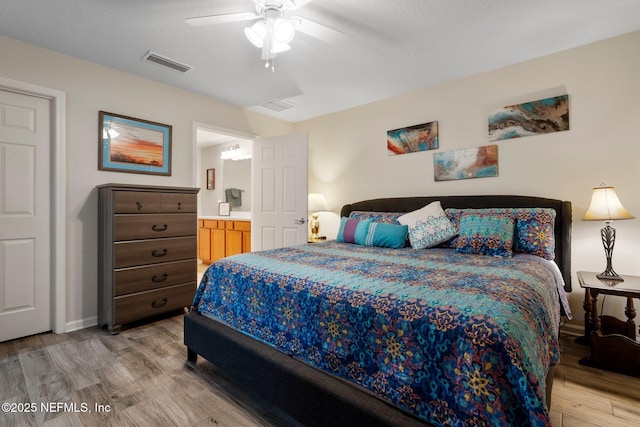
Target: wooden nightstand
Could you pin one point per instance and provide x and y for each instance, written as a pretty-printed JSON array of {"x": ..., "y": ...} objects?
[{"x": 613, "y": 341}]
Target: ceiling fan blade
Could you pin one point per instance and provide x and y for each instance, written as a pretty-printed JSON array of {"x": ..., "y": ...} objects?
[
  {"x": 318, "y": 31},
  {"x": 200, "y": 21},
  {"x": 294, "y": 4}
]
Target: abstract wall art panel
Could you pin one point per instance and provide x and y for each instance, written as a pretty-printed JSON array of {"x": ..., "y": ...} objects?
[
  {"x": 480, "y": 162},
  {"x": 412, "y": 139},
  {"x": 531, "y": 118}
]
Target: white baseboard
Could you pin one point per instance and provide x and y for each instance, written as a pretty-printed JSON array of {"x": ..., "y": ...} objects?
[{"x": 81, "y": 324}]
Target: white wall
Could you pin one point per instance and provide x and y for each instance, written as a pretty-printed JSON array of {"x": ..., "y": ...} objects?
[
  {"x": 348, "y": 158},
  {"x": 90, "y": 88},
  {"x": 209, "y": 157}
]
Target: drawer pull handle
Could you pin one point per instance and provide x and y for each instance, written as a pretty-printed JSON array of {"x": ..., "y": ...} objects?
[
  {"x": 156, "y": 279},
  {"x": 156, "y": 254},
  {"x": 179, "y": 206},
  {"x": 154, "y": 227},
  {"x": 139, "y": 205},
  {"x": 164, "y": 302}
]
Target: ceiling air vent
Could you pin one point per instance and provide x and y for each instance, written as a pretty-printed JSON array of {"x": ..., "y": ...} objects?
[
  {"x": 166, "y": 62},
  {"x": 276, "y": 105}
]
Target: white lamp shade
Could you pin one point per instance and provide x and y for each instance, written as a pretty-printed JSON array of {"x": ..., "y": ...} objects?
[
  {"x": 283, "y": 31},
  {"x": 605, "y": 206},
  {"x": 256, "y": 33},
  {"x": 272, "y": 35},
  {"x": 317, "y": 203},
  {"x": 279, "y": 47}
]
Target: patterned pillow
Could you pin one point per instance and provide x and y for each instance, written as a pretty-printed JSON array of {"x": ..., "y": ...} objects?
[
  {"x": 486, "y": 235},
  {"x": 428, "y": 226},
  {"x": 534, "y": 233},
  {"x": 386, "y": 235},
  {"x": 353, "y": 231},
  {"x": 384, "y": 217}
]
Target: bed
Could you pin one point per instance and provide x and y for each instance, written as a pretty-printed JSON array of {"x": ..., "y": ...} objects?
[{"x": 388, "y": 336}]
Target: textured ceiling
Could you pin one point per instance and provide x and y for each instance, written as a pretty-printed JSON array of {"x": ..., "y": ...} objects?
[{"x": 393, "y": 47}]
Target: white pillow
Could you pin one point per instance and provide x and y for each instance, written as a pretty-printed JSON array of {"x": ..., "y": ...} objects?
[{"x": 428, "y": 226}]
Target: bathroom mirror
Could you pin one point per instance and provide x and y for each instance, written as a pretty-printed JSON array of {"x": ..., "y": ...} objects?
[{"x": 237, "y": 184}]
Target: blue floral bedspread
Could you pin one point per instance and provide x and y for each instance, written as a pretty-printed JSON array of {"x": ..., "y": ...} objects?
[{"x": 455, "y": 339}]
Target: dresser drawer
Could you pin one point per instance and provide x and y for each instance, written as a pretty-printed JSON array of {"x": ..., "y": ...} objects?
[
  {"x": 154, "y": 251},
  {"x": 137, "y": 279},
  {"x": 153, "y": 202},
  {"x": 154, "y": 226},
  {"x": 177, "y": 202},
  {"x": 144, "y": 304}
]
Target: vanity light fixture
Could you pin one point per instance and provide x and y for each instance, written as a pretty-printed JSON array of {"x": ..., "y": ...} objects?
[{"x": 234, "y": 152}]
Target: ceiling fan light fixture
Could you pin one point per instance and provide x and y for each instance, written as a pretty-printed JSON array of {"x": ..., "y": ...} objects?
[
  {"x": 256, "y": 33},
  {"x": 283, "y": 31},
  {"x": 279, "y": 47},
  {"x": 275, "y": 27}
]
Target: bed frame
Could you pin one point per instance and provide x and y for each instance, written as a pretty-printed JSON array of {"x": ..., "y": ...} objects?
[{"x": 313, "y": 397}]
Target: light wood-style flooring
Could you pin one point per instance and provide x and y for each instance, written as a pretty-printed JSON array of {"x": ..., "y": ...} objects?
[
  {"x": 587, "y": 397},
  {"x": 141, "y": 377}
]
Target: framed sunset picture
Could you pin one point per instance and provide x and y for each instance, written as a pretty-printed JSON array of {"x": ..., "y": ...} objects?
[{"x": 127, "y": 144}]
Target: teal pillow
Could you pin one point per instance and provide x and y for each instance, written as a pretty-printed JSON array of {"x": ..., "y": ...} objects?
[
  {"x": 353, "y": 230},
  {"x": 386, "y": 235},
  {"x": 486, "y": 235}
]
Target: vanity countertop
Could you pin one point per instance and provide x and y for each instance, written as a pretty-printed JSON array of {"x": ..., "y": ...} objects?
[{"x": 235, "y": 216}]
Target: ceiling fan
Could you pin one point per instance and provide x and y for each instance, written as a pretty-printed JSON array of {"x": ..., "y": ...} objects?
[{"x": 275, "y": 27}]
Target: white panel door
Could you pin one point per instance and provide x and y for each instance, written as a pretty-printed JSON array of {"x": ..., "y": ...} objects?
[
  {"x": 25, "y": 218},
  {"x": 280, "y": 192}
]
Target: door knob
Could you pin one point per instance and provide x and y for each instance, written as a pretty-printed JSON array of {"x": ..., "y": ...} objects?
[{"x": 299, "y": 221}]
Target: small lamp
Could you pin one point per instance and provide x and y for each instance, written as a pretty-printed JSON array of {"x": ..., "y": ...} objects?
[
  {"x": 605, "y": 206},
  {"x": 317, "y": 203}
]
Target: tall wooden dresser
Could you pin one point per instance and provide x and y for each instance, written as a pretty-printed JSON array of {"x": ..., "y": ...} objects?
[{"x": 147, "y": 251}]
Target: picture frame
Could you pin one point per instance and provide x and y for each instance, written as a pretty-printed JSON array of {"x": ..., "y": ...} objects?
[
  {"x": 224, "y": 208},
  {"x": 539, "y": 117},
  {"x": 478, "y": 162},
  {"x": 131, "y": 145},
  {"x": 413, "y": 139},
  {"x": 211, "y": 179}
]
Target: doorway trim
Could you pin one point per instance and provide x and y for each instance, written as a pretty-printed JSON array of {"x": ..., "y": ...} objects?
[{"x": 58, "y": 194}]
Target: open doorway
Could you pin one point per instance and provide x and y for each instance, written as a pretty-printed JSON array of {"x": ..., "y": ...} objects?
[
  {"x": 218, "y": 178},
  {"x": 277, "y": 188},
  {"x": 214, "y": 174}
]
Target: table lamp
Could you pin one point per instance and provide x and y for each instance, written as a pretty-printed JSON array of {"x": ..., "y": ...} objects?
[
  {"x": 605, "y": 206},
  {"x": 317, "y": 203}
]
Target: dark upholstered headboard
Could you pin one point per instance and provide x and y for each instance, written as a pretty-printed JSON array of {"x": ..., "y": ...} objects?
[{"x": 562, "y": 208}]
